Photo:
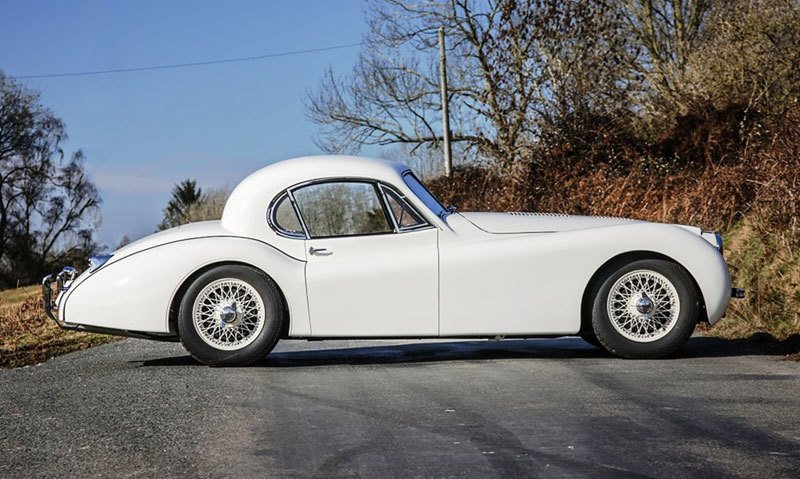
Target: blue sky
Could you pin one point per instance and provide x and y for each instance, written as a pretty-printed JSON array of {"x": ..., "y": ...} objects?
[{"x": 144, "y": 131}]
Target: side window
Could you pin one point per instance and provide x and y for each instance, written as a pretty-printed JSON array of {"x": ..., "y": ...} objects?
[
  {"x": 286, "y": 219},
  {"x": 405, "y": 217},
  {"x": 341, "y": 209}
]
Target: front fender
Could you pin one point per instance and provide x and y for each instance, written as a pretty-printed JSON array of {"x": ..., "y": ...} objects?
[
  {"x": 699, "y": 257},
  {"x": 535, "y": 282},
  {"x": 135, "y": 292}
]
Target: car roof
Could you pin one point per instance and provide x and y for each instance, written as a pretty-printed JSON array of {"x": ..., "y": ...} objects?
[
  {"x": 283, "y": 174},
  {"x": 251, "y": 198}
]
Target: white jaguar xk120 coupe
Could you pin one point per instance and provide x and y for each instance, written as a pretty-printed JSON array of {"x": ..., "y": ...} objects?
[{"x": 349, "y": 247}]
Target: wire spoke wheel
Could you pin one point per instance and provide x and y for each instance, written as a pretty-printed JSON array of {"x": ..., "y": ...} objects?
[
  {"x": 643, "y": 306},
  {"x": 228, "y": 314}
]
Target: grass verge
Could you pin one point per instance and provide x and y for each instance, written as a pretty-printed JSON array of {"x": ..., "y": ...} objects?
[
  {"x": 766, "y": 263},
  {"x": 28, "y": 336}
]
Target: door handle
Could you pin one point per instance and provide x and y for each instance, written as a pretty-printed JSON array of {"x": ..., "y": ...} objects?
[{"x": 319, "y": 251}]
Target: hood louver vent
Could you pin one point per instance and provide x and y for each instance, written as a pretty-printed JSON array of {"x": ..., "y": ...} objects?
[
  {"x": 543, "y": 215},
  {"x": 560, "y": 215}
]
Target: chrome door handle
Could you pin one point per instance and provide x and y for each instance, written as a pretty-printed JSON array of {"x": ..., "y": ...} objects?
[{"x": 319, "y": 251}]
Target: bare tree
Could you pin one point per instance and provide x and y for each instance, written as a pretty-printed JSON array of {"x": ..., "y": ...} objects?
[
  {"x": 48, "y": 209},
  {"x": 668, "y": 32},
  {"x": 750, "y": 56},
  {"x": 210, "y": 206},
  {"x": 189, "y": 203},
  {"x": 513, "y": 66},
  {"x": 696, "y": 56},
  {"x": 123, "y": 242}
]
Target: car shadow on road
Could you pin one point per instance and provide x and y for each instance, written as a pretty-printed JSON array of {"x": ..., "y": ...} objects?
[{"x": 443, "y": 351}]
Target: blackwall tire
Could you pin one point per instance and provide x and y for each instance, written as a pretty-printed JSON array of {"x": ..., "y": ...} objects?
[
  {"x": 645, "y": 309},
  {"x": 230, "y": 316},
  {"x": 590, "y": 338}
]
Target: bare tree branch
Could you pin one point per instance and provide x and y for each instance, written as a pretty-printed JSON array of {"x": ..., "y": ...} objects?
[{"x": 514, "y": 67}]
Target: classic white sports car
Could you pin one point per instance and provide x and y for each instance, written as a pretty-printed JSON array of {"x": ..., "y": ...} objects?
[{"x": 349, "y": 247}]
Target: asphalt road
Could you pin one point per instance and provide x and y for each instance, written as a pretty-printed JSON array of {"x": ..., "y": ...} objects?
[{"x": 533, "y": 408}]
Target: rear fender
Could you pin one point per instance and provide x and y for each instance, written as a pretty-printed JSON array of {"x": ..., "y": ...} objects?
[{"x": 135, "y": 292}]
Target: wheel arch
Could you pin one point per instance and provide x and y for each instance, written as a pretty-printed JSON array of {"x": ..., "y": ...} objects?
[
  {"x": 175, "y": 302},
  {"x": 616, "y": 262}
]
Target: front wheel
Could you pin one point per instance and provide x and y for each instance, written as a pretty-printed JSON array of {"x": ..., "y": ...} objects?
[
  {"x": 645, "y": 309},
  {"x": 230, "y": 316}
]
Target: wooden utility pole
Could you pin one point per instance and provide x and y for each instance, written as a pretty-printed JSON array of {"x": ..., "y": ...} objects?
[{"x": 448, "y": 155}]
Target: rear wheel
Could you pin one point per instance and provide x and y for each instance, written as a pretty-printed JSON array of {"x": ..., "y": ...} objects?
[
  {"x": 230, "y": 316},
  {"x": 645, "y": 309}
]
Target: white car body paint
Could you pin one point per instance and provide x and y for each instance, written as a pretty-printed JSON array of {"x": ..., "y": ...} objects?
[
  {"x": 531, "y": 278},
  {"x": 468, "y": 274},
  {"x": 135, "y": 292},
  {"x": 381, "y": 286}
]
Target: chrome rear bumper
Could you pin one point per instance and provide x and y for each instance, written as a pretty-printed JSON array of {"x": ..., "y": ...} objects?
[{"x": 63, "y": 281}]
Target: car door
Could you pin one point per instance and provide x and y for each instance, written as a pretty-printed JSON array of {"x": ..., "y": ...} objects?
[{"x": 372, "y": 264}]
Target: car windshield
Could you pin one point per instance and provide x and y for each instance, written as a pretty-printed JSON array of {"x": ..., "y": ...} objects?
[{"x": 424, "y": 195}]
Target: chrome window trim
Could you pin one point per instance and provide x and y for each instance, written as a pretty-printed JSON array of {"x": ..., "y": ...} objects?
[
  {"x": 306, "y": 234},
  {"x": 387, "y": 213},
  {"x": 273, "y": 222},
  {"x": 344, "y": 179},
  {"x": 386, "y": 207},
  {"x": 402, "y": 198},
  {"x": 444, "y": 210}
]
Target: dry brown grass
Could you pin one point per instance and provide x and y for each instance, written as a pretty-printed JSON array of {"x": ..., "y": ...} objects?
[
  {"x": 27, "y": 336},
  {"x": 767, "y": 265}
]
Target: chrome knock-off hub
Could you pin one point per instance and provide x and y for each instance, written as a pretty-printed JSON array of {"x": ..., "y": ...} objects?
[
  {"x": 644, "y": 305},
  {"x": 227, "y": 314}
]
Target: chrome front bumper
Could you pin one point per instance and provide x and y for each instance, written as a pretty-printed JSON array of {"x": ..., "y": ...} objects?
[{"x": 63, "y": 281}]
